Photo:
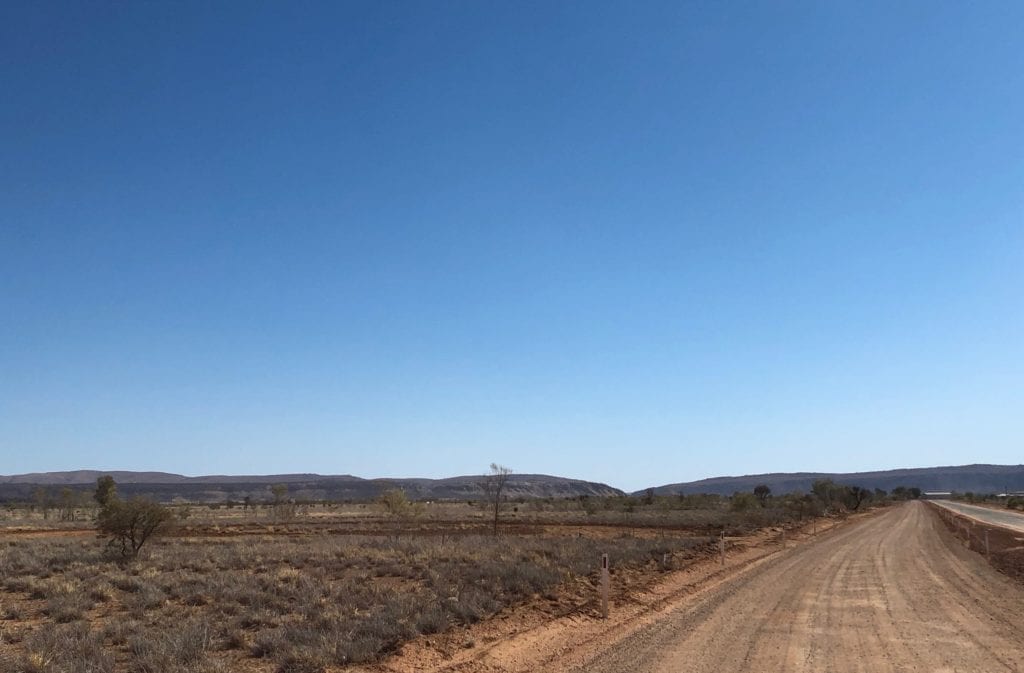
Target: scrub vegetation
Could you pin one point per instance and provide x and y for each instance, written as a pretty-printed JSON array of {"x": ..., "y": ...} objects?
[{"x": 299, "y": 587}]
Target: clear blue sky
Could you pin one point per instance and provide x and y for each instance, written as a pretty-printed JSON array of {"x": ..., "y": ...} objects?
[{"x": 631, "y": 242}]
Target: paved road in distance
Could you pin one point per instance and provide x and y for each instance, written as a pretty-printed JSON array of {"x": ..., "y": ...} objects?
[{"x": 1005, "y": 518}]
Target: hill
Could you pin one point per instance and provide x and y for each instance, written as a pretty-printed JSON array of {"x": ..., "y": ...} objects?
[
  {"x": 962, "y": 478},
  {"x": 168, "y": 487}
]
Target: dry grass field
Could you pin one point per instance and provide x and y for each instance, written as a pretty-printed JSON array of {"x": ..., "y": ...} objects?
[{"x": 234, "y": 590}]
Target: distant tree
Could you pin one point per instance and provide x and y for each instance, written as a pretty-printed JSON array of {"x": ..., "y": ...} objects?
[
  {"x": 649, "y": 496},
  {"x": 129, "y": 525},
  {"x": 282, "y": 508},
  {"x": 856, "y": 496},
  {"x": 810, "y": 505},
  {"x": 904, "y": 493},
  {"x": 825, "y": 490},
  {"x": 106, "y": 490},
  {"x": 246, "y": 502},
  {"x": 762, "y": 492},
  {"x": 493, "y": 485},
  {"x": 741, "y": 502},
  {"x": 42, "y": 500},
  {"x": 66, "y": 504},
  {"x": 398, "y": 506}
]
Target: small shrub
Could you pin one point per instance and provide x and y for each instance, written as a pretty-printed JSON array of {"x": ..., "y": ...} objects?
[
  {"x": 67, "y": 607},
  {"x": 302, "y": 662},
  {"x": 171, "y": 650},
  {"x": 433, "y": 619},
  {"x": 129, "y": 525},
  {"x": 65, "y": 648},
  {"x": 268, "y": 643}
]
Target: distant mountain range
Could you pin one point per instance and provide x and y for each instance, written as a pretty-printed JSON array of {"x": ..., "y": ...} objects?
[
  {"x": 168, "y": 487},
  {"x": 962, "y": 478},
  {"x": 219, "y": 488}
]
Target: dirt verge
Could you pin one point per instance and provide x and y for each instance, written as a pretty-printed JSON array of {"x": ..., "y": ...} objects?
[{"x": 541, "y": 636}]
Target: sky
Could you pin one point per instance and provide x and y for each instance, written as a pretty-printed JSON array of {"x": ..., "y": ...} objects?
[{"x": 631, "y": 242}]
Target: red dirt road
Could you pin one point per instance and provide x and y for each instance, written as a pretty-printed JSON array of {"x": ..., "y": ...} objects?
[{"x": 893, "y": 592}]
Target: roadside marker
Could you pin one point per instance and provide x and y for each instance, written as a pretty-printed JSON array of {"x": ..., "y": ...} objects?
[
  {"x": 604, "y": 585},
  {"x": 721, "y": 546},
  {"x": 988, "y": 553}
]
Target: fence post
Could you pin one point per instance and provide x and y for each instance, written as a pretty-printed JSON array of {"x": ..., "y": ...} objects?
[
  {"x": 604, "y": 585},
  {"x": 783, "y": 538},
  {"x": 988, "y": 552},
  {"x": 721, "y": 547}
]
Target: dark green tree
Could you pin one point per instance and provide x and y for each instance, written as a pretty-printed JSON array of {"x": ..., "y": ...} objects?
[
  {"x": 856, "y": 496},
  {"x": 106, "y": 490}
]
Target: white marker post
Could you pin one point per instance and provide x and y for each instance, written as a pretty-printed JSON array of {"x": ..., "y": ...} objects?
[{"x": 604, "y": 585}]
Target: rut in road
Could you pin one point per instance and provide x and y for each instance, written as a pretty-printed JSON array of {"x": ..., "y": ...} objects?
[{"x": 893, "y": 593}]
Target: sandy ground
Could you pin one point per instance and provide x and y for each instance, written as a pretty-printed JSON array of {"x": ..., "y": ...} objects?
[{"x": 887, "y": 592}]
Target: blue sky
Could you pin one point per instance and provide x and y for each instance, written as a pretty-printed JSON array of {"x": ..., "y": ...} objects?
[{"x": 637, "y": 243}]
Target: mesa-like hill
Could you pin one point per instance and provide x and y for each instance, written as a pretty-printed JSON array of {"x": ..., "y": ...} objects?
[
  {"x": 961, "y": 478},
  {"x": 168, "y": 487}
]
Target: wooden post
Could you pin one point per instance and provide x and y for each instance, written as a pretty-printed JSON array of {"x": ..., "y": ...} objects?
[
  {"x": 604, "y": 585},
  {"x": 783, "y": 538},
  {"x": 721, "y": 548},
  {"x": 988, "y": 552}
]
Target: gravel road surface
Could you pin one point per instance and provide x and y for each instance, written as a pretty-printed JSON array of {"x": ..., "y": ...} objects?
[{"x": 894, "y": 592}]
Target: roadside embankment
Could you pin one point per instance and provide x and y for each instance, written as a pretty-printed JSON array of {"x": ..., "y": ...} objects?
[{"x": 1002, "y": 546}]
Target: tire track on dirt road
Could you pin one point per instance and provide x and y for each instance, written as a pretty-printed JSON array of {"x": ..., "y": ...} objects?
[{"x": 890, "y": 593}]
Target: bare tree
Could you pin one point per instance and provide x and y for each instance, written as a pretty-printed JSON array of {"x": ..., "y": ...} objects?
[
  {"x": 67, "y": 504},
  {"x": 43, "y": 501},
  {"x": 493, "y": 485}
]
